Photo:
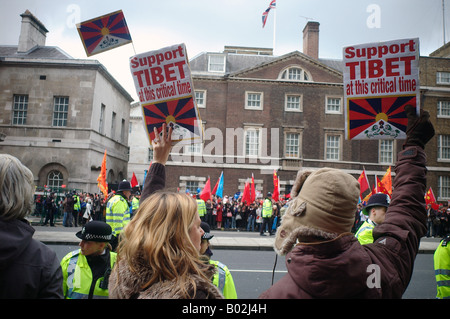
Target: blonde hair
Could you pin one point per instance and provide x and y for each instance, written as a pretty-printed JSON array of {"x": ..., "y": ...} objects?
[
  {"x": 158, "y": 238},
  {"x": 16, "y": 188}
]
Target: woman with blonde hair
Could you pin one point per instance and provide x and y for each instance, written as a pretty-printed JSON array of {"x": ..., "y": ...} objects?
[{"x": 159, "y": 250}]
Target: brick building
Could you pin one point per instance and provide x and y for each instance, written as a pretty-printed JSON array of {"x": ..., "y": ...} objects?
[
  {"x": 59, "y": 114},
  {"x": 262, "y": 113}
]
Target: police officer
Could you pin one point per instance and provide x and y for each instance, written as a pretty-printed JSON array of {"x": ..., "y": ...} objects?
[
  {"x": 201, "y": 208},
  {"x": 222, "y": 278},
  {"x": 376, "y": 210},
  {"x": 86, "y": 270},
  {"x": 267, "y": 215},
  {"x": 442, "y": 268},
  {"x": 118, "y": 211}
]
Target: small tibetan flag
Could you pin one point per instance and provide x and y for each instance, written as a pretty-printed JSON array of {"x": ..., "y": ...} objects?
[{"x": 104, "y": 33}]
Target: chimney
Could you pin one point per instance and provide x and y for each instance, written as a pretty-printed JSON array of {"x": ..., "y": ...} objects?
[
  {"x": 32, "y": 33},
  {"x": 311, "y": 39}
]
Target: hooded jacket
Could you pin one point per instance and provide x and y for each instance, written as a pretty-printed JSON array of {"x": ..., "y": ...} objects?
[
  {"x": 343, "y": 268},
  {"x": 28, "y": 268}
]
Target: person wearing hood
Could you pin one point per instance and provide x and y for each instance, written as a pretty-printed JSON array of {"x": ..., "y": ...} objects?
[
  {"x": 222, "y": 277},
  {"x": 28, "y": 268},
  {"x": 159, "y": 250},
  {"x": 324, "y": 259},
  {"x": 118, "y": 211}
]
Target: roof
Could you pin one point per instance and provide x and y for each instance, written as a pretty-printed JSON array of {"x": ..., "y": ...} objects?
[{"x": 38, "y": 52}]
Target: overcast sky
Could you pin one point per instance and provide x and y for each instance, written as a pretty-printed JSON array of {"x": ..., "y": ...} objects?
[{"x": 209, "y": 25}]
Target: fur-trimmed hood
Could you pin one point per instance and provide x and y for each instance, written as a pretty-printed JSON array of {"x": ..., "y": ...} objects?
[{"x": 125, "y": 284}]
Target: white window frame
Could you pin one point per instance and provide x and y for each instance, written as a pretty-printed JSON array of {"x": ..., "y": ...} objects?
[
  {"x": 201, "y": 101},
  {"x": 212, "y": 63},
  {"x": 299, "y": 144},
  {"x": 443, "y": 180},
  {"x": 443, "y": 77},
  {"x": 440, "y": 141},
  {"x": 327, "y": 110},
  {"x": 383, "y": 152},
  {"x": 300, "y": 103},
  {"x": 340, "y": 145},
  {"x": 20, "y": 109},
  {"x": 304, "y": 76},
  {"x": 257, "y": 129},
  {"x": 261, "y": 101},
  {"x": 443, "y": 106},
  {"x": 60, "y": 116}
]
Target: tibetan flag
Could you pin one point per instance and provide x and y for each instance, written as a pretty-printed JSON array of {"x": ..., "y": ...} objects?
[
  {"x": 101, "y": 179},
  {"x": 363, "y": 182},
  {"x": 276, "y": 187},
  {"x": 265, "y": 14},
  {"x": 104, "y": 33}
]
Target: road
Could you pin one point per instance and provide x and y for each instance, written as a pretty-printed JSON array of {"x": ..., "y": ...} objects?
[{"x": 252, "y": 271}]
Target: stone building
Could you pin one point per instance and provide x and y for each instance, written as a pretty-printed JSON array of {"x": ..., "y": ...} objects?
[
  {"x": 262, "y": 113},
  {"x": 59, "y": 114}
]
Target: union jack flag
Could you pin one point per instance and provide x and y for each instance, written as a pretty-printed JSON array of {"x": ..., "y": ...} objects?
[
  {"x": 265, "y": 14},
  {"x": 104, "y": 33}
]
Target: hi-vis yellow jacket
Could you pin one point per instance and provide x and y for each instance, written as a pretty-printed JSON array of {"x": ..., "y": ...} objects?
[
  {"x": 77, "y": 276},
  {"x": 117, "y": 213},
  {"x": 442, "y": 269}
]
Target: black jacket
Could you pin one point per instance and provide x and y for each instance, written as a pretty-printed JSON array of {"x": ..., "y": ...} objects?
[{"x": 28, "y": 268}]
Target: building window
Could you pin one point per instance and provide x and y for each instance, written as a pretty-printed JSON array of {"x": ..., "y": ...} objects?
[
  {"x": 193, "y": 149},
  {"x": 200, "y": 98},
  {"x": 386, "y": 151},
  {"x": 102, "y": 119},
  {"x": 444, "y": 147},
  {"x": 443, "y": 77},
  {"x": 192, "y": 186},
  {"x": 113, "y": 125},
  {"x": 295, "y": 74},
  {"x": 253, "y": 100},
  {"x": 443, "y": 109},
  {"x": 443, "y": 187},
  {"x": 292, "y": 145},
  {"x": 333, "y": 105},
  {"x": 54, "y": 179},
  {"x": 293, "y": 103},
  {"x": 333, "y": 147},
  {"x": 60, "y": 110},
  {"x": 20, "y": 109},
  {"x": 252, "y": 141},
  {"x": 216, "y": 63}
]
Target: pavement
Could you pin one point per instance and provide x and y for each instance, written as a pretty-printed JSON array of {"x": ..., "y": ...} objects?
[{"x": 223, "y": 239}]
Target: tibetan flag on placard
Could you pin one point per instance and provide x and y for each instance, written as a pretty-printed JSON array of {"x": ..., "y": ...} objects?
[
  {"x": 380, "y": 79},
  {"x": 265, "y": 14},
  {"x": 104, "y": 33}
]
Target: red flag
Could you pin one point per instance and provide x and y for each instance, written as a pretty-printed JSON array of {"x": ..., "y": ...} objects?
[
  {"x": 363, "y": 182},
  {"x": 101, "y": 179},
  {"x": 246, "y": 194},
  {"x": 252, "y": 194},
  {"x": 380, "y": 187},
  {"x": 386, "y": 181},
  {"x": 206, "y": 192},
  {"x": 430, "y": 199},
  {"x": 276, "y": 187},
  {"x": 134, "y": 181}
]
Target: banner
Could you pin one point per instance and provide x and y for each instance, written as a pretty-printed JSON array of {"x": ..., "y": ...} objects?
[
  {"x": 163, "y": 83},
  {"x": 104, "y": 33},
  {"x": 380, "y": 79}
]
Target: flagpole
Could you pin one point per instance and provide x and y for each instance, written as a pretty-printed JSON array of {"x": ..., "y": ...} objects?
[{"x": 274, "y": 28}]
